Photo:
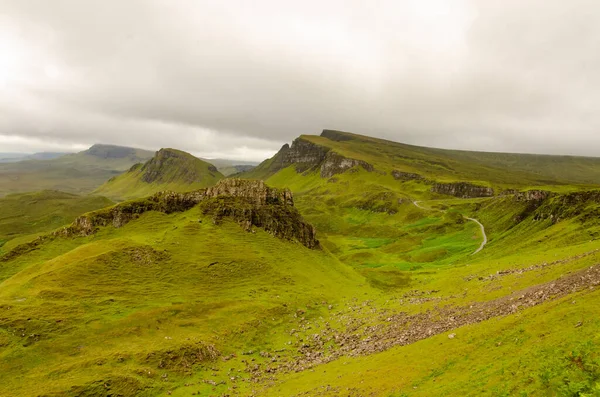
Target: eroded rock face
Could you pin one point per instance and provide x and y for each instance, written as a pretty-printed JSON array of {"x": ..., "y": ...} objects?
[
  {"x": 533, "y": 195},
  {"x": 307, "y": 156},
  {"x": 255, "y": 191},
  {"x": 335, "y": 163},
  {"x": 462, "y": 190},
  {"x": 406, "y": 176},
  {"x": 248, "y": 202}
]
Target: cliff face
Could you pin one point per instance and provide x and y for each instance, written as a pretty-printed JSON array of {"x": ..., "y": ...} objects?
[
  {"x": 305, "y": 155},
  {"x": 249, "y": 203},
  {"x": 256, "y": 192},
  {"x": 462, "y": 190},
  {"x": 533, "y": 195},
  {"x": 406, "y": 176},
  {"x": 308, "y": 156},
  {"x": 335, "y": 163}
]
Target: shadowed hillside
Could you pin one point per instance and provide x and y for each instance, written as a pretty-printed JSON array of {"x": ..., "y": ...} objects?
[
  {"x": 342, "y": 150},
  {"x": 169, "y": 169},
  {"x": 73, "y": 173}
]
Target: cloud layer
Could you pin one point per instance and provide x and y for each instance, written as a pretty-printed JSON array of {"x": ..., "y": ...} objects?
[{"x": 237, "y": 79}]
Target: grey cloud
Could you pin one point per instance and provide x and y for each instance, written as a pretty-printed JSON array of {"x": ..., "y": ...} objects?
[{"x": 240, "y": 78}]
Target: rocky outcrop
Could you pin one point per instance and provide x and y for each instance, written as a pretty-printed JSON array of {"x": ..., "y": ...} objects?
[
  {"x": 280, "y": 220},
  {"x": 533, "y": 195},
  {"x": 462, "y": 190},
  {"x": 335, "y": 163},
  {"x": 406, "y": 176},
  {"x": 305, "y": 155},
  {"x": 338, "y": 136},
  {"x": 170, "y": 164},
  {"x": 250, "y": 203},
  {"x": 308, "y": 156},
  {"x": 256, "y": 192},
  {"x": 544, "y": 205}
]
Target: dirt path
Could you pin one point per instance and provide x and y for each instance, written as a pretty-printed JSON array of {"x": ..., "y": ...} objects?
[{"x": 485, "y": 239}]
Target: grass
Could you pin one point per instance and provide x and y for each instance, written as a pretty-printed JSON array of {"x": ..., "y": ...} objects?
[
  {"x": 98, "y": 306},
  {"x": 25, "y": 216},
  {"x": 175, "y": 304},
  {"x": 170, "y": 169},
  {"x": 77, "y": 173}
]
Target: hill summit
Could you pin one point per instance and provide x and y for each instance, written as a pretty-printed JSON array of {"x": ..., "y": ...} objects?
[
  {"x": 116, "y": 152},
  {"x": 169, "y": 169}
]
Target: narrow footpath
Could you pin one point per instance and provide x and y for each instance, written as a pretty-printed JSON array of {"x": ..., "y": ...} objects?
[{"x": 485, "y": 239}]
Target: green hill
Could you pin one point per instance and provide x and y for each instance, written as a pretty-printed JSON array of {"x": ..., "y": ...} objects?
[
  {"x": 358, "y": 267},
  {"x": 169, "y": 169},
  {"x": 73, "y": 173},
  {"x": 139, "y": 309},
  {"x": 504, "y": 170},
  {"x": 26, "y": 215}
]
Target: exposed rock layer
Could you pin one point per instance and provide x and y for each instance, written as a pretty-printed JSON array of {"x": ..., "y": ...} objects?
[
  {"x": 308, "y": 156},
  {"x": 250, "y": 203},
  {"x": 406, "y": 176},
  {"x": 462, "y": 190}
]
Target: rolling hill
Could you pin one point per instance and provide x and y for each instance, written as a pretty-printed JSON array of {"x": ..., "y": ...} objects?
[
  {"x": 503, "y": 170},
  {"x": 73, "y": 173},
  {"x": 344, "y": 265},
  {"x": 24, "y": 216},
  {"x": 137, "y": 309},
  {"x": 169, "y": 169}
]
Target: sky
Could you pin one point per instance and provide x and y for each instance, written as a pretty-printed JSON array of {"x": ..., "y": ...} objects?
[{"x": 238, "y": 79}]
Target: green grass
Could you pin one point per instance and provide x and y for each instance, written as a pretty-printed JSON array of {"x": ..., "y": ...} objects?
[
  {"x": 77, "y": 173},
  {"x": 25, "y": 216},
  {"x": 102, "y": 304},
  {"x": 177, "y": 304},
  {"x": 170, "y": 169},
  {"x": 536, "y": 353}
]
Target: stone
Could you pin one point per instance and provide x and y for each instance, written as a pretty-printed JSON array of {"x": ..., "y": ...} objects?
[{"x": 462, "y": 190}]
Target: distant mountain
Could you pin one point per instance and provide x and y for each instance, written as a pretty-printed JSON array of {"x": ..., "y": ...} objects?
[
  {"x": 10, "y": 157},
  {"x": 45, "y": 156},
  {"x": 169, "y": 169},
  {"x": 73, "y": 173},
  {"x": 231, "y": 167},
  {"x": 14, "y": 157}
]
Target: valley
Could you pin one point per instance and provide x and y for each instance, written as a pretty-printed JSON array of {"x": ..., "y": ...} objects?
[{"x": 344, "y": 265}]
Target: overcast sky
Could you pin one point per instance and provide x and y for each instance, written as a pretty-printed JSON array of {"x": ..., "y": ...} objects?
[{"x": 237, "y": 79}]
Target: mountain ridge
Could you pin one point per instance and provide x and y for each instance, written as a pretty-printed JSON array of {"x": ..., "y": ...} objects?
[{"x": 168, "y": 169}]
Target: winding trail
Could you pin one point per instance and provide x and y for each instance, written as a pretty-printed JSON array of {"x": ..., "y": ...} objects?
[{"x": 485, "y": 239}]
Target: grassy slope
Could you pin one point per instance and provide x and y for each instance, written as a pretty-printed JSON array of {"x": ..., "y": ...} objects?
[
  {"x": 24, "y": 216},
  {"x": 108, "y": 308},
  {"x": 367, "y": 220},
  {"x": 502, "y": 169},
  {"x": 180, "y": 173},
  {"x": 380, "y": 251},
  {"x": 74, "y": 173}
]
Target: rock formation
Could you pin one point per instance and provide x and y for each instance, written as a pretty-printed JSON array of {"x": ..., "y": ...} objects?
[
  {"x": 406, "y": 176},
  {"x": 250, "y": 203},
  {"x": 533, "y": 195},
  {"x": 308, "y": 156},
  {"x": 462, "y": 190}
]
